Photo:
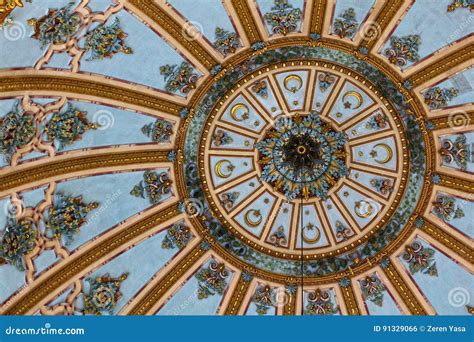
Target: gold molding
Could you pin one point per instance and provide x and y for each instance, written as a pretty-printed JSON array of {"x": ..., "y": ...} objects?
[
  {"x": 26, "y": 174},
  {"x": 246, "y": 19},
  {"x": 44, "y": 83},
  {"x": 165, "y": 21},
  {"x": 289, "y": 309},
  {"x": 404, "y": 290},
  {"x": 148, "y": 301},
  {"x": 236, "y": 300},
  {"x": 449, "y": 121},
  {"x": 25, "y": 302},
  {"x": 443, "y": 65},
  {"x": 383, "y": 19},
  {"x": 457, "y": 183},
  {"x": 455, "y": 245},
  {"x": 349, "y": 298},
  {"x": 317, "y": 16}
]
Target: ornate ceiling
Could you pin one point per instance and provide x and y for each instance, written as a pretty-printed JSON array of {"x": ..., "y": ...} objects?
[{"x": 237, "y": 157}]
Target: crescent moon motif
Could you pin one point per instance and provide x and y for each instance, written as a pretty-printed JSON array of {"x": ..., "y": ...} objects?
[
  {"x": 389, "y": 152},
  {"x": 234, "y": 111},
  {"x": 255, "y": 213},
  {"x": 293, "y": 89},
  {"x": 359, "y": 206},
  {"x": 313, "y": 240},
  {"x": 355, "y": 94},
  {"x": 218, "y": 168}
]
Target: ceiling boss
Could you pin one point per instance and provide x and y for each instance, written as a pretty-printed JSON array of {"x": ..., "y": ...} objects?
[{"x": 302, "y": 156}]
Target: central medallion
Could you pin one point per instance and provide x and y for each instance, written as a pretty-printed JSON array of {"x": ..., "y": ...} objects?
[{"x": 302, "y": 156}]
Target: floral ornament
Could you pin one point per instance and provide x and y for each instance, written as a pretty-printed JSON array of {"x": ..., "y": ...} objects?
[
  {"x": 346, "y": 24},
  {"x": 373, "y": 289},
  {"x": 378, "y": 121},
  {"x": 260, "y": 88},
  {"x": 455, "y": 152},
  {"x": 437, "y": 97},
  {"x": 325, "y": 81},
  {"x": 342, "y": 232},
  {"x": 17, "y": 129},
  {"x": 159, "y": 131},
  {"x": 226, "y": 42},
  {"x": 104, "y": 293},
  {"x": 302, "y": 156},
  {"x": 445, "y": 208},
  {"x": 212, "y": 280},
  {"x": 153, "y": 186},
  {"x": 455, "y": 4},
  {"x": 263, "y": 299},
  {"x": 17, "y": 239},
  {"x": 384, "y": 186},
  {"x": 221, "y": 137},
  {"x": 57, "y": 26},
  {"x": 177, "y": 236},
  {"x": 403, "y": 49},
  {"x": 278, "y": 238},
  {"x": 228, "y": 199},
  {"x": 67, "y": 216},
  {"x": 283, "y": 18},
  {"x": 106, "y": 41},
  {"x": 179, "y": 78},
  {"x": 420, "y": 258},
  {"x": 320, "y": 303},
  {"x": 68, "y": 127}
]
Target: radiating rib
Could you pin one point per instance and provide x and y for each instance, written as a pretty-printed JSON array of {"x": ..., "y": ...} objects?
[
  {"x": 146, "y": 304},
  {"x": 318, "y": 13},
  {"x": 94, "y": 161},
  {"x": 236, "y": 300},
  {"x": 456, "y": 120},
  {"x": 464, "y": 250},
  {"x": 457, "y": 183},
  {"x": 408, "y": 297},
  {"x": 350, "y": 300},
  {"x": 380, "y": 23},
  {"x": 98, "y": 88},
  {"x": 247, "y": 20},
  {"x": 440, "y": 66}
]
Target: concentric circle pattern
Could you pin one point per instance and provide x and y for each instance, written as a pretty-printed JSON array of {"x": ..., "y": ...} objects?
[
  {"x": 279, "y": 157},
  {"x": 292, "y": 175}
]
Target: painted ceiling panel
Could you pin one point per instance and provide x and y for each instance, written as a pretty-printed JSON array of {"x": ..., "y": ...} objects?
[
  {"x": 421, "y": 27},
  {"x": 349, "y": 15}
]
